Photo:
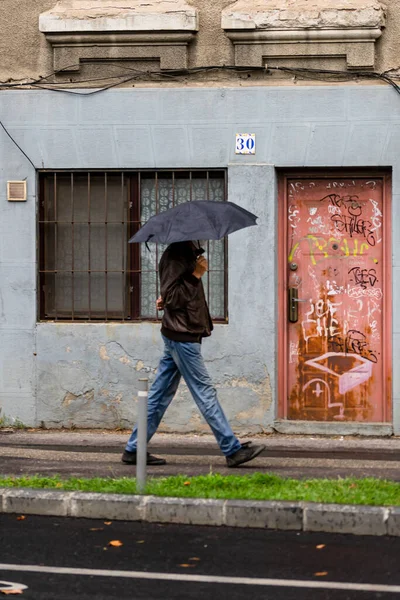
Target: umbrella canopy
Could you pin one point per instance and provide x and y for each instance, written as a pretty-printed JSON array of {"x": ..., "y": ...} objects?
[{"x": 197, "y": 220}]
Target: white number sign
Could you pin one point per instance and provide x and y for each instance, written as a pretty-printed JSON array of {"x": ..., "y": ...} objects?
[{"x": 245, "y": 143}]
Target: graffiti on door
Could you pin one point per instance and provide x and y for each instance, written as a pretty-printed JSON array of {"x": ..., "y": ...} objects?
[{"x": 335, "y": 283}]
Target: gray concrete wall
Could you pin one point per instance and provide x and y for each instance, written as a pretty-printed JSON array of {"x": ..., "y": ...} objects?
[{"x": 85, "y": 374}]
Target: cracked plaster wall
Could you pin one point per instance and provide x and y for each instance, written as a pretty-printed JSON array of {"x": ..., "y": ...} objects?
[
  {"x": 88, "y": 377},
  {"x": 26, "y": 53},
  {"x": 88, "y": 373}
]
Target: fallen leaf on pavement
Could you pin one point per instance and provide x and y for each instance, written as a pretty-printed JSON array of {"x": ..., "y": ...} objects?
[
  {"x": 321, "y": 574},
  {"x": 96, "y": 529},
  {"x": 320, "y": 546},
  {"x": 115, "y": 543},
  {"x": 21, "y": 518},
  {"x": 185, "y": 565},
  {"x": 107, "y": 522}
]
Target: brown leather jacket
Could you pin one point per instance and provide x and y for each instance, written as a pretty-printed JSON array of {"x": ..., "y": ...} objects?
[{"x": 186, "y": 315}]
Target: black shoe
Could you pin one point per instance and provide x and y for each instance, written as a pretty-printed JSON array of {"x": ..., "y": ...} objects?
[
  {"x": 129, "y": 458},
  {"x": 247, "y": 452}
]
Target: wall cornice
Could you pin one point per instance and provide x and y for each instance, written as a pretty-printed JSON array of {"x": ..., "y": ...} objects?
[
  {"x": 289, "y": 29},
  {"x": 119, "y": 30}
]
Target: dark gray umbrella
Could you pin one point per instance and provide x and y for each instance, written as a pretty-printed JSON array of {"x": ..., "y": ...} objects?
[{"x": 197, "y": 220}]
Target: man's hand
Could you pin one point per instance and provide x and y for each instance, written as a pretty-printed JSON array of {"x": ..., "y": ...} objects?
[
  {"x": 159, "y": 303},
  {"x": 201, "y": 267}
]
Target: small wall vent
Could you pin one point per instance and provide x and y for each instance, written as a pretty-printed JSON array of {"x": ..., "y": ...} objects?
[{"x": 16, "y": 191}]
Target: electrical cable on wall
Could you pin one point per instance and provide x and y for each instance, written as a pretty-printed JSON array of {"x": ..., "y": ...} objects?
[
  {"x": 131, "y": 74},
  {"x": 16, "y": 143}
]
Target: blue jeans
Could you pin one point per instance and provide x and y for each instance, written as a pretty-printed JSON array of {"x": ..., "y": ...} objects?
[{"x": 185, "y": 359}]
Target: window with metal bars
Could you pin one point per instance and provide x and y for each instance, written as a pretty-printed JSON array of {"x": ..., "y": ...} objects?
[{"x": 87, "y": 269}]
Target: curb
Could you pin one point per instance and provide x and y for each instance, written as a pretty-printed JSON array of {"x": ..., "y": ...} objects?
[{"x": 268, "y": 514}]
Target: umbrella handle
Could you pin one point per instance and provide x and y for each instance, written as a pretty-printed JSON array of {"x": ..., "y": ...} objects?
[{"x": 199, "y": 251}]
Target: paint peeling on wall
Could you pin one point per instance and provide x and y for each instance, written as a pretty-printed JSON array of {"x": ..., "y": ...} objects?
[{"x": 97, "y": 385}]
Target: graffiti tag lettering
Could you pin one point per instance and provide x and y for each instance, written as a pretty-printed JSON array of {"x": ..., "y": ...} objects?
[
  {"x": 376, "y": 218},
  {"x": 293, "y": 216},
  {"x": 318, "y": 245},
  {"x": 324, "y": 323},
  {"x": 363, "y": 277},
  {"x": 355, "y": 342},
  {"x": 350, "y": 223}
]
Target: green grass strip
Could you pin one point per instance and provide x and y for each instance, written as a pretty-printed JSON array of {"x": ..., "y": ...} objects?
[{"x": 259, "y": 486}]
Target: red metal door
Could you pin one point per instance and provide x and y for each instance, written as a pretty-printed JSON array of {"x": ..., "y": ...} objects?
[{"x": 335, "y": 298}]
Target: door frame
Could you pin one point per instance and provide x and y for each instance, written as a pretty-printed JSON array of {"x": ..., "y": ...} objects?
[{"x": 387, "y": 310}]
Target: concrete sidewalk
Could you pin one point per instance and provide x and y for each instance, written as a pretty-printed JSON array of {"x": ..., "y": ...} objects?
[
  {"x": 97, "y": 453},
  {"x": 89, "y": 454}
]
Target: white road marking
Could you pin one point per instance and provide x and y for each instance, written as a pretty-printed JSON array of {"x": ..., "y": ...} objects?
[
  {"x": 294, "y": 583},
  {"x": 10, "y": 586}
]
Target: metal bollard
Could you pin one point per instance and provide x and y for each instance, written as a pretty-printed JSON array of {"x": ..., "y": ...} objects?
[{"x": 141, "y": 456}]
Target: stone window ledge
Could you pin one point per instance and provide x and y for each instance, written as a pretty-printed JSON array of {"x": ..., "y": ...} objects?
[
  {"x": 119, "y": 29},
  {"x": 262, "y": 30}
]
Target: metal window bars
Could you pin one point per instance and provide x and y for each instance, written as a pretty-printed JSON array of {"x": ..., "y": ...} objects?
[{"x": 87, "y": 269}]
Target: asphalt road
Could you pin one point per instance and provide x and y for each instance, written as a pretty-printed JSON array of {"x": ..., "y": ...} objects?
[{"x": 168, "y": 562}]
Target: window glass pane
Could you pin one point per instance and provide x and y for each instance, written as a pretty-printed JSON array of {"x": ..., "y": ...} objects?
[
  {"x": 116, "y": 252},
  {"x": 63, "y": 203},
  {"x": 199, "y": 188},
  {"x": 148, "y": 292},
  {"x": 116, "y": 198},
  {"x": 98, "y": 293},
  {"x": 182, "y": 190},
  {"x": 216, "y": 189},
  {"x": 63, "y": 283},
  {"x": 147, "y": 199},
  {"x": 81, "y": 295},
  {"x": 158, "y": 193},
  {"x": 165, "y": 193},
  {"x": 81, "y": 246},
  {"x": 216, "y": 265},
  {"x": 85, "y": 242},
  {"x": 98, "y": 198},
  {"x": 48, "y": 245},
  {"x": 98, "y": 246},
  {"x": 217, "y": 300},
  {"x": 81, "y": 197},
  {"x": 48, "y": 289},
  {"x": 115, "y": 294}
]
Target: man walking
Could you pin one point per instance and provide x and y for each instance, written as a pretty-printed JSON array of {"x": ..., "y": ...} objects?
[{"x": 185, "y": 322}]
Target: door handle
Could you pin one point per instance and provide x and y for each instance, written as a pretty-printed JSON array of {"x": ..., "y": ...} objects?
[{"x": 293, "y": 304}]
